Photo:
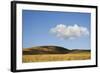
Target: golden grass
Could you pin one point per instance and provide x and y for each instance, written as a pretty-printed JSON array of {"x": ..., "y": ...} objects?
[{"x": 56, "y": 57}]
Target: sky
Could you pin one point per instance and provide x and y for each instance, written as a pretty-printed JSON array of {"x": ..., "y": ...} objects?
[{"x": 66, "y": 29}]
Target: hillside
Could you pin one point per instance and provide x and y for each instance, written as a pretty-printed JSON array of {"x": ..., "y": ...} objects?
[
  {"x": 53, "y": 53},
  {"x": 45, "y": 50},
  {"x": 49, "y": 50}
]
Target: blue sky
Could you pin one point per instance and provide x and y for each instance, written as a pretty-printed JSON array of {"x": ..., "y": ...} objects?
[{"x": 37, "y": 25}]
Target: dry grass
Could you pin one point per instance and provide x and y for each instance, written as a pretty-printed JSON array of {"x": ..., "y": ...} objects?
[{"x": 56, "y": 57}]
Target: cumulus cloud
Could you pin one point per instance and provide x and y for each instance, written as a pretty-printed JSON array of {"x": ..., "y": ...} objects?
[{"x": 69, "y": 32}]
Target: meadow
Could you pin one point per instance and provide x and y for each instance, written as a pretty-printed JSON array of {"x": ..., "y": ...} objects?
[{"x": 56, "y": 57}]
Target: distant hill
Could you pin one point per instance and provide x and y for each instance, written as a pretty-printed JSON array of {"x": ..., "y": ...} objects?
[
  {"x": 45, "y": 50},
  {"x": 49, "y": 50},
  {"x": 80, "y": 51}
]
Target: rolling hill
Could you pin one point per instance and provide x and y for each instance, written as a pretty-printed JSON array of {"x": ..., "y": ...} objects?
[
  {"x": 49, "y": 50},
  {"x": 53, "y": 53}
]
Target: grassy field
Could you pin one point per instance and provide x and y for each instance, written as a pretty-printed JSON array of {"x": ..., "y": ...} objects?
[{"x": 56, "y": 57}]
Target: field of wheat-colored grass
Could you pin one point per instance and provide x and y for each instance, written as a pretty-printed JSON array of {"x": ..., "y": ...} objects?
[{"x": 56, "y": 57}]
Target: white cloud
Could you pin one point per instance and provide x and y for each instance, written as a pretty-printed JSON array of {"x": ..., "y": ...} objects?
[{"x": 69, "y": 32}]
